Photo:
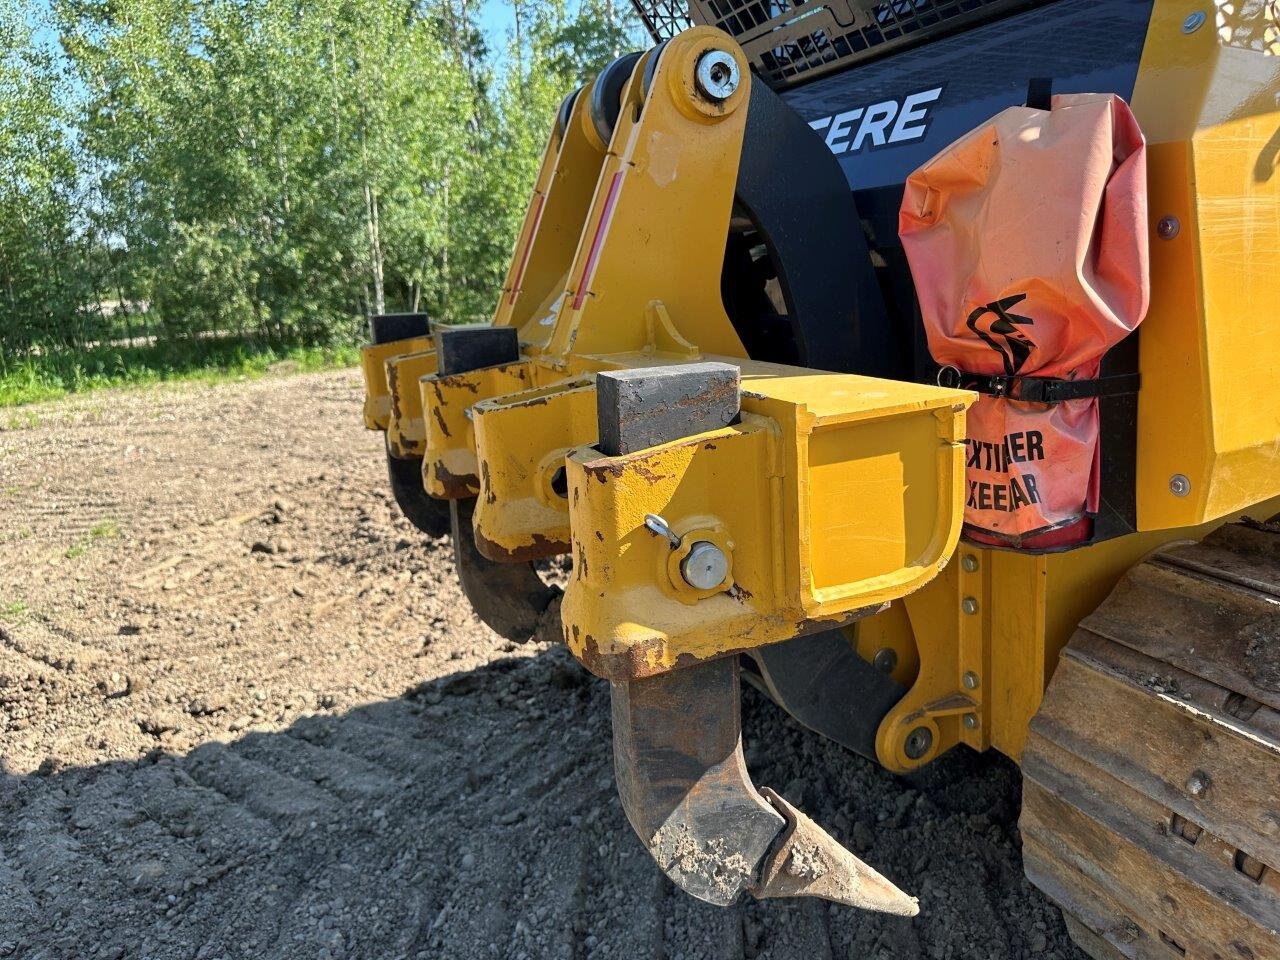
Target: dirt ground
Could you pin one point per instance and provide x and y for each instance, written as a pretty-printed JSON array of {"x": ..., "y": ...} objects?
[{"x": 245, "y": 712}]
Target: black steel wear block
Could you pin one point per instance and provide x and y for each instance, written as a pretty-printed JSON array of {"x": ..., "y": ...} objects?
[
  {"x": 651, "y": 405},
  {"x": 389, "y": 327},
  {"x": 460, "y": 349}
]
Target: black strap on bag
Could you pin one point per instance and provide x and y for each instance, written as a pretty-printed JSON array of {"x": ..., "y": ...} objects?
[{"x": 1039, "y": 389}]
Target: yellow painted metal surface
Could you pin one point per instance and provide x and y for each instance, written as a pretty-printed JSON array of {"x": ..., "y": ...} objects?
[
  {"x": 774, "y": 492},
  {"x": 889, "y": 630},
  {"x": 661, "y": 205},
  {"x": 607, "y": 314},
  {"x": 990, "y": 629},
  {"x": 524, "y": 256},
  {"x": 553, "y": 222},
  {"x": 377, "y": 395},
  {"x": 449, "y": 469},
  {"x": 893, "y": 449},
  {"x": 1209, "y": 104},
  {"x": 406, "y": 431},
  {"x": 521, "y": 439},
  {"x": 833, "y": 498},
  {"x": 989, "y": 632}
]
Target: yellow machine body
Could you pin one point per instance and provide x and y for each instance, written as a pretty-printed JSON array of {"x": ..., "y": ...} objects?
[
  {"x": 1210, "y": 110},
  {"x": 772, "y": 489},
  {"x": 1208, "y": 102},
  {"x": 836, "y": 500},
  {"x": 995, "y": 620}
]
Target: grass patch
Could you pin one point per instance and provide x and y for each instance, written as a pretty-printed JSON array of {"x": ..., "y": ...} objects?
[
  {"x": 100, "y": 531},
  {"x": 52, "y": 374},
  {"x": 104, "y": 530},
  {"x": 22, "y": 420},
  {"x": 13, "y": 611}
]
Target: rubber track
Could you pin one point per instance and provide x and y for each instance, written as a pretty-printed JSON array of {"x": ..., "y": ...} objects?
[{"x": 1151, "y": 804}]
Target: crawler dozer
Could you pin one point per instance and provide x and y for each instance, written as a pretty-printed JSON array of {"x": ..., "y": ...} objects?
[{"x": 717, "y": 380}]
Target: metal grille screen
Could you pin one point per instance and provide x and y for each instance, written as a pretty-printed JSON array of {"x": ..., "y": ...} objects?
[{"x": 791, "y": 40}]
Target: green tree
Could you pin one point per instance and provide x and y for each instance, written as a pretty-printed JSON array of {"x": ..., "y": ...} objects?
[
  {"x": 42, "y": 266},
  {"x": 272, "y": 167}
]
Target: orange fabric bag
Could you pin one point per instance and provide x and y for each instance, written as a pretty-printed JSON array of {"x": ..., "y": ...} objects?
[{"x": 1027, "y": 241}]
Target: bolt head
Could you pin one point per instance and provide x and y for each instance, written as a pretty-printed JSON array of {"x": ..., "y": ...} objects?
[
  {"x": 1179, "y": 485},
  {"x": 1168, "y": 228},
  {"x": 969, "y": 563},
  {"x": 885, "y": 660},
  {"x": 970, "y": 680},
  {"x": 1193, "y": 22},
  {"x": 969, "y": 605},
  {"x": 718, "y": 75},
  {"x": 971, "y": 721},
  {"x": 918, "y": 743},
  {"x": 1198, "y": 783},
  {"x": 706, "y": 566}
]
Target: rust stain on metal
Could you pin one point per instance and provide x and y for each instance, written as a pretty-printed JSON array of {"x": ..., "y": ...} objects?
[
  {"x": 629, "y": 664},
  {"x": 600, "y": 536},
  {"x": 458, "y": 380},
  {"x": 602, "y": 470},
  {"x": 455, "y": 487},
  {"x": 393, "y": 385},
  {"x": 444, "y": 427},
  {"x": 486, "y": 486},
  {"x": 540, "y": 548},
  {"x": 643, "y": 470},
  {"x": 643, "y": 658}
]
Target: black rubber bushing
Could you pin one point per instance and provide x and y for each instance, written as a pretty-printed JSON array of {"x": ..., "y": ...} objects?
[{"x": 606, "y": 95}]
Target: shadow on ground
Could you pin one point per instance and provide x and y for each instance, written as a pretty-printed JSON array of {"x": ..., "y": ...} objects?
[{"x": 476, "y": 817}]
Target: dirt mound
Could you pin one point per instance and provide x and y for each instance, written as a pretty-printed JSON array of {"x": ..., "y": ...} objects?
[{"x": 245, "y": 713}]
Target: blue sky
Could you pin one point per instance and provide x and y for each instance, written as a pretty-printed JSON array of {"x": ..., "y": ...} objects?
[{"x": 496, "y": 21}]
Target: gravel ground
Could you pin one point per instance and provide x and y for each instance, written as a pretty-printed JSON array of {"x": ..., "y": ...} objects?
[{"x": 246, "y": 713}]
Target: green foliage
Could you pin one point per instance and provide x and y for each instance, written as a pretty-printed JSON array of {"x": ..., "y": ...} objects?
[
  {"x": 52, "y": 374},
  {"x": 43, "y": 276},
  {"x": 262, "y": 173}
]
